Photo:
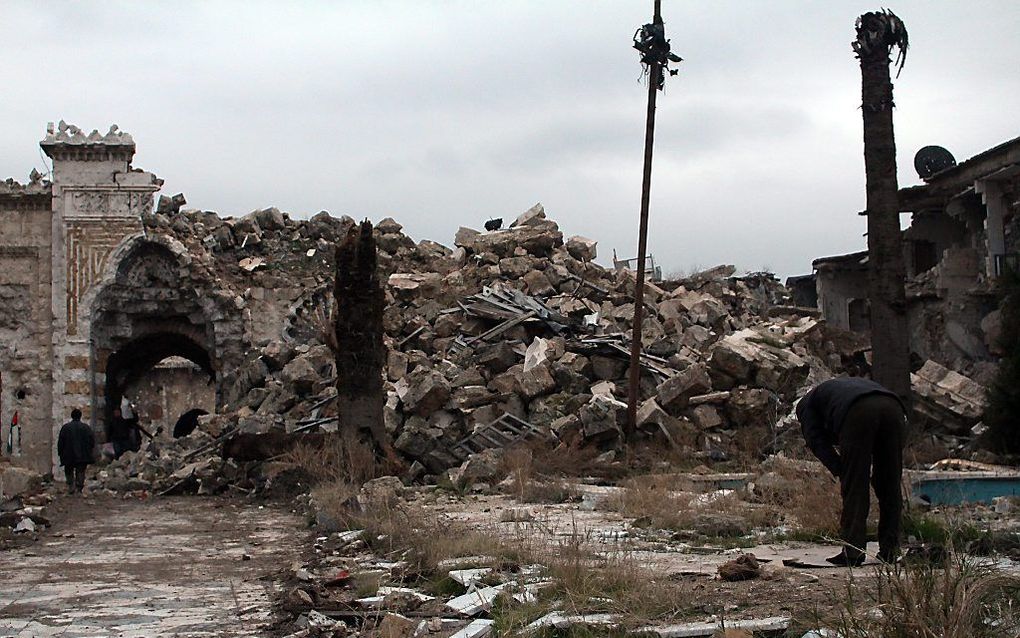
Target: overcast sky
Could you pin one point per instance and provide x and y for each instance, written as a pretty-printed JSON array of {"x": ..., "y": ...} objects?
[{"x": 443, "y": 114}]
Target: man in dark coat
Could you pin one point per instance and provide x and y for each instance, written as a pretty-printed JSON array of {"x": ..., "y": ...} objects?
[
  {"x": 867, "y": 423},
  {"x": 74, "y": 447}
]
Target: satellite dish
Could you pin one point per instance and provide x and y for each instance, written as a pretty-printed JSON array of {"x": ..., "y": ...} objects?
[{"x": 932, "y": 159}]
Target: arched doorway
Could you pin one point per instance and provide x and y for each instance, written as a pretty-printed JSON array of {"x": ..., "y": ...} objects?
[{"x": 161, "y": 333}]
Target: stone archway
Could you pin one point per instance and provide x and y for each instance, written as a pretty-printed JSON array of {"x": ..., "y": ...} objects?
[{"x": 150, "y": 307}]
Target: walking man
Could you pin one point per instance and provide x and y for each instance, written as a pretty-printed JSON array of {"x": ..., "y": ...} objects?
[
  {"x": 74, "y": 447},
  {"x": 867, "y": 423}
]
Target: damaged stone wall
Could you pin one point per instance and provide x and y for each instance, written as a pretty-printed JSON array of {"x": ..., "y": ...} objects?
[{"x": 25, "y": 337}]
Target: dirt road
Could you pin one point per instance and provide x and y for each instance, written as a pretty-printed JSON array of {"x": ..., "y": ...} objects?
[{"x": 164, "y": 567}]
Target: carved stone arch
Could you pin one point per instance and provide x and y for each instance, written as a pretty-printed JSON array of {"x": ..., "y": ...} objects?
[{"x": 148, "y": 307}]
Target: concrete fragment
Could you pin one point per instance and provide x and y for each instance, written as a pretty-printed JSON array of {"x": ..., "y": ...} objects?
[
  {"x": 478, "y": 628},
  {"x": 473, "y": 603}
]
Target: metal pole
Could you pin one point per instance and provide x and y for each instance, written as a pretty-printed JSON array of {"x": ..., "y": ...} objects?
[{"x": 634, "y": 382}]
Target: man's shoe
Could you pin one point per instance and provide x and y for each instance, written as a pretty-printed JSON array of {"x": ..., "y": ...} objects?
[
  {"x": 842, "y": 560},
  {"x": 890, "y": 558}
]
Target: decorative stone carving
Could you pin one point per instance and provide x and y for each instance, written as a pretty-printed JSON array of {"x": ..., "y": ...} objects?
[{"x": 89, "y": 244}]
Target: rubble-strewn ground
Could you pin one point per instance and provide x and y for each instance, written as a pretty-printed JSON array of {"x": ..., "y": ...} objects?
[{"x": 161, "y": 567}]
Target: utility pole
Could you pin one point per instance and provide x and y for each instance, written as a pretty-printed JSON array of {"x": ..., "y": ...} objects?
[{"x": 651, "y": 41}]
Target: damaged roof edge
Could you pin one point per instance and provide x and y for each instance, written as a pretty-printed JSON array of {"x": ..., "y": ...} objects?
[{"x": 949, "y": 180}]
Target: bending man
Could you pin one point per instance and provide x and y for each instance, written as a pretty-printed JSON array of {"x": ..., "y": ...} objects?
[{"x": 867, "y": 423}]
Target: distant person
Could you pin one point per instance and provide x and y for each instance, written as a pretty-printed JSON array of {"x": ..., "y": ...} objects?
[
  {"x": 120, "y": 433},
  {"x": 74, "y": 447},
  {"x": 867, "y": 423}
]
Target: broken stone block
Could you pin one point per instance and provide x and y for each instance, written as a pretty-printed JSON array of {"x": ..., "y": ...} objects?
[
  {"x": 608, "y": 368},
  {"x": 270, "y": 219},
  {"x": 582, "y": 248},
  {"x": 414, "y": 439},
  {"x": 277, "y": 354},
  {"x": 516, "y": 267},
  {"x": 650, "y": 415},
  {"x": 577, "y": 363},
  {"x": 749, "y": 407},
  {"x": 466, "y": 237},
  {"x": 388, "y": 226},
  {"x": 471, "y": 376},
  {"x": 601, "y": 418},
  {"x": 18, "y": 481},
  {"x": 534, "y": 214},
  {"x": 507, "y": 383},
  {"x": 428, "y": 391},
  {"x": 299, "y": 376},
  {"x": 497, "y": 357},
  {"x": 674, "y": 393},
  {"x": 471, "y": 396},
  {"x": 396, "y": 365},
  {"x": 538, "y": 284},
  {"x": 706, "y": 417},
  {"x": 536, "y": 381}
]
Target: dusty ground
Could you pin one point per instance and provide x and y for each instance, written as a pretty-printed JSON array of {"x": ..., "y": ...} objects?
[{"x": 164, "y": 567}]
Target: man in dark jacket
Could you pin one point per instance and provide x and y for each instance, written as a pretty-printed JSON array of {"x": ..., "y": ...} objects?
[
  {"x": 867, "y": 423},
  {"x": 74, "y": 447}
]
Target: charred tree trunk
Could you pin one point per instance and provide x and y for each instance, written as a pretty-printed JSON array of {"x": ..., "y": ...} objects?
[
  {"x": 359, "y": 350},
  {"x": 890, "y": 337}
]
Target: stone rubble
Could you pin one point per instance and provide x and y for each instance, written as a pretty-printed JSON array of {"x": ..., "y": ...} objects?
[{"x": 513, "y": 321}]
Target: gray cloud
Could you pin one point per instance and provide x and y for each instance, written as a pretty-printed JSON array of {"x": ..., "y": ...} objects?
[{"x": 443, "y": 114}]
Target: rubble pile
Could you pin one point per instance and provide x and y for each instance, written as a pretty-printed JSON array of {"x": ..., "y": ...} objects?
[
  {"x": 22, "y": 505},
  {"x": 515, "y": 326}
]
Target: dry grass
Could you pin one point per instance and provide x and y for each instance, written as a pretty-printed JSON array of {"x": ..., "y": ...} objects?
[
  {"x": 340, "y": 458},
  {"x": 955, "y": 598},
  {"x": 805, "y": 496},
  {"x": 655, "y": 500},
  {"x": 529, "y": 486}
]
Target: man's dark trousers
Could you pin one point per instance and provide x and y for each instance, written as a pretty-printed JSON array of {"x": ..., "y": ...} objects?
[
  {"x": 75, "y": 475},
  {"x": 871, "y": 446}
]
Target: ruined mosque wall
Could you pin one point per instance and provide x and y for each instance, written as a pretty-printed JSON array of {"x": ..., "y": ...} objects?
[{"x": 25, "y": 318}]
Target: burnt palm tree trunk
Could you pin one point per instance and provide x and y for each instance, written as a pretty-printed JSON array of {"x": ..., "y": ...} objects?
[
  {"x": 358, "y": 349},
  {"x": 877, "y": 33}
]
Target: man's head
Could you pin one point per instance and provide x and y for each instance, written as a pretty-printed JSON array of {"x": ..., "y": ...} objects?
[
  {"x": 116, "y": 413},
  {"x": 76, "y": 414}
]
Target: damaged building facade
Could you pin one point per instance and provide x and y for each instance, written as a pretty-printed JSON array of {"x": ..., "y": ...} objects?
[
  {"x": 92, "y": 302},
  {"x": 963, "y": 234}
]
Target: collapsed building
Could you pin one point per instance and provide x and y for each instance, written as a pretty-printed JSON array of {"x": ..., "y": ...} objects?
[
  {"x": 963, "y": 234},
  {"x": 512, "y": 334}
]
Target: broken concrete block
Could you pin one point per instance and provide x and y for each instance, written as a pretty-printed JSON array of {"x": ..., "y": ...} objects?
[
  {"x": 473, "y": 603},
  {"x": 582, "y": 248},
  {"x": 478, "y": 628},
  {"x": 674, "y": 392}
]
